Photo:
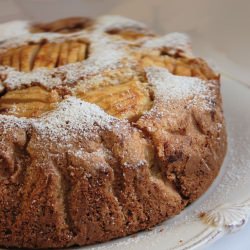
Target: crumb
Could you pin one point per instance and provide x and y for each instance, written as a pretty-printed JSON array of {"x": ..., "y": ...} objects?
[{"x": 201, "y": 214}]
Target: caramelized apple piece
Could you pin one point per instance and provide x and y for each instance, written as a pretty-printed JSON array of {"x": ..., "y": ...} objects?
[
  {"x": 16, "y": 59},
  {"x": 82, "y": 51},
  {"x": 67, "y": 25},
  {"x": 73, "y": 52},
  {"x": 6, "y": 58},
  {"x": 128, "y": 100},
  {"x": 47, "y": 56},
  {"x": 129, "y": 33},
  {"x": 29, "y": 102},
  {"x": 28, "y": 55},
  {"x": 63, "y": 56},
  {"x": 179, "y": 66}
]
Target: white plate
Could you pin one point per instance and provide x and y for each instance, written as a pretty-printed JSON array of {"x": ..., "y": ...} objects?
[{"x": 226, "y": 205}]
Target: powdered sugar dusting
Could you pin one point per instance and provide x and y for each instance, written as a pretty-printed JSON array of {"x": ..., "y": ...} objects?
[
  {"x": 170, "y": 87},
  {"x": 44, "y": 77},
  {"x": 13, "y": 29},
  {"x": 173, "y": 41},
  {"x": 9, "y": 122},
  {"x": 109, "y": 58},
  {"x": 73, "y": 118},
  {"x": 104, "y": 56}
]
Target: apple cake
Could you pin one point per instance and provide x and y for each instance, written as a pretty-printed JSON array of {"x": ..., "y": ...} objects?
[{"x": 106, "y": 129}]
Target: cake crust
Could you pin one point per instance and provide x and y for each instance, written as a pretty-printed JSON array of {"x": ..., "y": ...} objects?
[{"x": 106, "y": 129}]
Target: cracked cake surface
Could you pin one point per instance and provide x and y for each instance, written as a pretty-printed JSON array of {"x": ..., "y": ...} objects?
[{"x": 106, "y": 129}]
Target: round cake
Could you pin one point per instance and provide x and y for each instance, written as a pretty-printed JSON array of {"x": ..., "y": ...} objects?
[{"x": 106, "y": 129}]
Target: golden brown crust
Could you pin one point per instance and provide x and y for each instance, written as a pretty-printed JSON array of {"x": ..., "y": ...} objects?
[{"x": 72, "y": 173}]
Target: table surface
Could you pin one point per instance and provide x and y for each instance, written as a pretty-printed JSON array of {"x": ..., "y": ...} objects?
[{"x": 221, "y": 25}]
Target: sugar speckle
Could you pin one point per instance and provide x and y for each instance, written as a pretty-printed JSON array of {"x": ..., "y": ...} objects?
[{"x": 170, "y": 87}]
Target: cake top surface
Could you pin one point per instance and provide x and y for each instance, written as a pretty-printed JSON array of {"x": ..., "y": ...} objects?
[
  {"x": 116, "y": 50},
  {"x": 106, "y": 52}
]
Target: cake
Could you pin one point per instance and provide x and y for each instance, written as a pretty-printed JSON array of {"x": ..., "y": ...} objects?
[{"x": 106, "y": 129}]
